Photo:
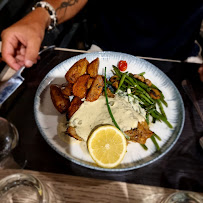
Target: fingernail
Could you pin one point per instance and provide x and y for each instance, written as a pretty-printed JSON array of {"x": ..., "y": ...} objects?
[{"x": 28, "y": 63}]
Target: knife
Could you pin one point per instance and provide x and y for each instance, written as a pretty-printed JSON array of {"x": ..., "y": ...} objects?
[{"x": 8, "y": 87}]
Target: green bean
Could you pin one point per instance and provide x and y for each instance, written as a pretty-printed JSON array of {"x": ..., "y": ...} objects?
[
  {"x": 154, "y": 115},
  {"x": 121, "y": 81},
  {"x": 154, "y": 120},
  {"x": 144, "y": 146},
  {"x": 164, "y": 119},
  {"x": 147, "y": 118},
  {"x": 155, "y": 87},
  {"x": 142, "y": 99},
  {"x": 124, "y": 86},
  {"x": 164, "y": 102},
  {"x": 141, "y": 74},
  {"x": 146, "y": 98},
  {"x": 143, "y": 85},
  {"x": 157, "y": 137},
  {"x": 161, "y": 108},
  {"x": 117, "y": 71},
  {"x": 108, "y": 107},
  {"x": 135, "y": 97},
  {"x": 162, "y": 96},
  {"x": 129, "y": 82},
  {"x": 150, "y": 107},
  {"x": 133, "y": 83},
  {"x": 155, "y": 142},
  {"x": 159, "y": 116}
]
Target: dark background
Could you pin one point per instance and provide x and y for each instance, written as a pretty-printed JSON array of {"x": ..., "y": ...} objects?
[
  {"x": 76, "y": 33},
  {"x": 72, "y": 34}
]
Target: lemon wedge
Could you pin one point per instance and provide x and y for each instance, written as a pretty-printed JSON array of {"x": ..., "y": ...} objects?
[{"x": 107, "y": 146}]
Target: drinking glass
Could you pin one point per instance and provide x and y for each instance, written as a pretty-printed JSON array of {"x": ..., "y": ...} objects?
[
  {"x": 24, "y": 188},
  {"x": 184, "y": 197},
  {"x": 8, "y": 141}
]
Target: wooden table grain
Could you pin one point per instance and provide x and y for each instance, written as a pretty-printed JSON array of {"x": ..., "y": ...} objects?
[{"x": 67, "y": 188}]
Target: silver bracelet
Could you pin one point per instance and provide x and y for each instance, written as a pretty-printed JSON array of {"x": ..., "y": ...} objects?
[{"x": 51, "y": 11}]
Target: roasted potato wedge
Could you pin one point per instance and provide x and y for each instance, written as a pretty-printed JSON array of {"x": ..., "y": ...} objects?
[
  {"x": 60, "y": 102},
  {"x": 89, "y": 83},
  {"x": 74, "y": 106},
  {"x": 80, "y": 87},
  {"x": 72, "y": 132},
  {"x": 78, "y": 69},
  {"x": 96, "y": 89},
  {"x": 66, "y": 89},
  {"x": 92, "y": 68}
]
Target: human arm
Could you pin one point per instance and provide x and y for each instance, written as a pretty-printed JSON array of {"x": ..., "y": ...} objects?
[{"x": 21, "y": 41}]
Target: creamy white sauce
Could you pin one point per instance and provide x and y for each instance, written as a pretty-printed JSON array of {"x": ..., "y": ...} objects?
[{"x": 90, "y": 115}]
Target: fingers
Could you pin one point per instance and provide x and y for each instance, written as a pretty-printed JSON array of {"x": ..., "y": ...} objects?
[
  {"x": 18, "y": 51},
  {"x": 21, "y": 41},
  {"x": 8, "y": 52},
  {"x": 200, "y": 71},
  {"x": 31, "y": 54}
]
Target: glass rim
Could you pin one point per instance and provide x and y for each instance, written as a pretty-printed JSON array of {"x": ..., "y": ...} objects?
[
  {"x": 20, "y": 179},
  {"x": 195, "y": 196}
]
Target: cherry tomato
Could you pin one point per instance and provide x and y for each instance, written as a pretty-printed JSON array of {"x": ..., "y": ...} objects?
[{"x": 122, "y": 65}]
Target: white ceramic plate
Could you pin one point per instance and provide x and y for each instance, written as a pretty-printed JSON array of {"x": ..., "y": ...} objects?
[{"x": 48, "y": 119}]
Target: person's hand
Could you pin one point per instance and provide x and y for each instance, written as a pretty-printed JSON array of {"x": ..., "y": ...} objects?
[
  {"x": 200, "y": 71},
  {"x": 21, "y": 41}
]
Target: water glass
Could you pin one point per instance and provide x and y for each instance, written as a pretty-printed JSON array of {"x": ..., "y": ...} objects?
[
  {"x": 24, "y": 188},
  {"x": 8, "y": 140},
  {"x": 184, "y": 197}
]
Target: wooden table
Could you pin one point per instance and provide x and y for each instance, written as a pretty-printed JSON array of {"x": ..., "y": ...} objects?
[
  {"x": 68, "y": 188},
  {"x": 180, "y": 169}
]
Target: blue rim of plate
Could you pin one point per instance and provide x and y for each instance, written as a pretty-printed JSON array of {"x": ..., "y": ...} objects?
[{"x": 167, "y": 147}]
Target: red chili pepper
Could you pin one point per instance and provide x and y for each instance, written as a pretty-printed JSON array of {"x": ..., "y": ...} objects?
[{"x": 122, "y": 65}]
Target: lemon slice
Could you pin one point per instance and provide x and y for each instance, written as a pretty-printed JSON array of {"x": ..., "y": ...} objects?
[{"x": 107, "y": 146}]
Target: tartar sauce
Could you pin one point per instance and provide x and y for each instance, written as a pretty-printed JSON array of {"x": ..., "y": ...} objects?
[{"x": 92, "y": 114}]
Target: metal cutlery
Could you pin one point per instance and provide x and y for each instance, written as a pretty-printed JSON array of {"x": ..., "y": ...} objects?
[{"x": 8, "y": 87}]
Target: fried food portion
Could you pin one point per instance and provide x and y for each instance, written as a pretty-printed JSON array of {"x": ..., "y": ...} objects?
[
  {"x": 139, "y": 77},
  {"x": 80, "y": 87},
  {"x": 96, "y": 89},
  {"x": 143, "y": 79},
  {"x": 140, "y": 134},
  {"x": 109, "y": 93},
  {"x": 66, "y": 89},
  {"x": 74, "y": 106},
  {"x": 92, "y": 68},
  {"x": 78, "y": 69},
  {"x": 72, "y": 133},
  {"x": 155, "y": 94},
  {"x": 60, "y": 102},
  {"x": 114, "y": 78},
  {"x": 115, "y": 81}
]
